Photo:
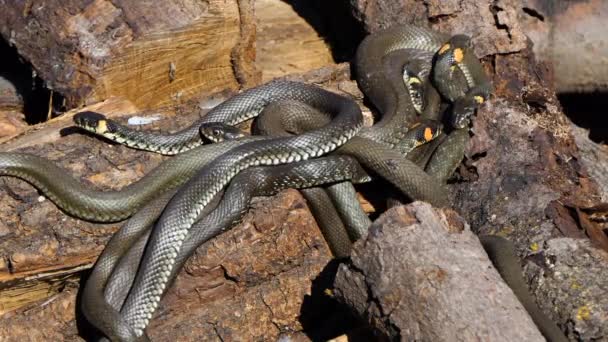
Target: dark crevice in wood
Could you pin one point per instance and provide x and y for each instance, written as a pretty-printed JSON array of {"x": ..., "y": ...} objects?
[
  {"x": 334, "y": 22},
  {"x": 32, "y": 88},
  {"x": 533, "y": 13},
  {"x": 588, "y": 110}
]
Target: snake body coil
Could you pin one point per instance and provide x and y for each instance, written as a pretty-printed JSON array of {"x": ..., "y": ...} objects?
[
  {"x": 184, "y": 208},
  {"x": 257, "y": 181},
  {"x": 107, "y": 206}
]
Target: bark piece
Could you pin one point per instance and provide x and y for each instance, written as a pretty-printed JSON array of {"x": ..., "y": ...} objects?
[
  {"x": 421, "y": 274},
  {"x": 595, "y": 158},
  {"x": 561, "y": 281},
  {"x": 153, "y": 54}
]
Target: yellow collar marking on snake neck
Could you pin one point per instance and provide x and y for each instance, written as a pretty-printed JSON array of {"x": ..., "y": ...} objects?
[
  {"x": 102, "y": 126},
  {"x": 414, "y": 80},
  {"x": 444, "y": 48},
  {"x": 479, "y": 99},
  {"x": 458, "y": 55}
]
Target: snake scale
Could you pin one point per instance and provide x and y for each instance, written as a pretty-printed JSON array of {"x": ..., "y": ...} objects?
[{"x": 203, "y": 179}]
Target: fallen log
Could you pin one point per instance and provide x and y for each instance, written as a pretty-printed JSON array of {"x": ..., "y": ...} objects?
[{"x": 421, "y": 274}]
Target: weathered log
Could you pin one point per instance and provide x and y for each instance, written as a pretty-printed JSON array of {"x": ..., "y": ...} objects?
[
  {"x": 153, "y": 54},
  {"x": 286, "y": 43},
  {"x": 158, "y": 56},
  {"x": 522, "y": 177},
  {"x": 421, "y": 274}
]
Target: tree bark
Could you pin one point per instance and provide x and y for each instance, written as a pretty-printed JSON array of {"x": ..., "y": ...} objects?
[{"x": 439, "y": 286}]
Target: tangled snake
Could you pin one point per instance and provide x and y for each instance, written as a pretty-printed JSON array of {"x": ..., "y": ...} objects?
[{"x": 396, "y": 106}]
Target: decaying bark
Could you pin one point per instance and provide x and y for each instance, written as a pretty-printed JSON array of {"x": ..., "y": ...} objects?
[{"x": 421, "y": 274}]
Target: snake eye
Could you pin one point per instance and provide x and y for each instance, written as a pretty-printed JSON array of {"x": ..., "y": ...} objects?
[{"x": 216, "y": 132}]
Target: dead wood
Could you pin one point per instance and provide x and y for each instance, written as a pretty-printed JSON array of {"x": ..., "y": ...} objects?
[{"x": 421, "y": 274}]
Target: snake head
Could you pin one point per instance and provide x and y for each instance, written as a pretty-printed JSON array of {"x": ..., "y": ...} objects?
[
  {"x": 449, "y": 57},
  {"x": 464, "y": 108},
  {"x": 219, "y": 131},
  {"x": 454, "y": 50},
  {"x": 415, "y": 88},
  {"x": 93, "y": 122},
  {"x": 426, "y": 131}
]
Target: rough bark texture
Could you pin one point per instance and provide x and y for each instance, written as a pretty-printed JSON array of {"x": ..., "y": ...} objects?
[
  {"x": 595, "y": 158},
  {"x": 522, "y": 177},
  {"x": 11, "y": 106},
  {"x": 421, "y": 274},
  {"x": 154, "y": 54}
]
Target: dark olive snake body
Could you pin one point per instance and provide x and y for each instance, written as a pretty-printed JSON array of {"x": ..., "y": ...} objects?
[
  {"x": 81, "y": 201},
  {"x": 172, "y": 228},
  {"x": 257, "y": 181}
]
